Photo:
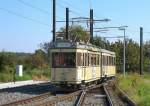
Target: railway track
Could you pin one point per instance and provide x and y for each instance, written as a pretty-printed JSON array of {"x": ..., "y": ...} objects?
[
  {"x": 118, "y": 97},
  {"x": 47, "y": 100},
  {"x": 29, "y": 100},
  {"x": 99, "y": 95},
  {"x": 14, "y": 94},
  {"x": 103, "y": 95}
]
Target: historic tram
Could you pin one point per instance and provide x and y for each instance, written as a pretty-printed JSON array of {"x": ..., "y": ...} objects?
[{"x": 76, "y": 64}]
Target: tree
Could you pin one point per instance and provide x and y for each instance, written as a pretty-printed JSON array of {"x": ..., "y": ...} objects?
[
  {"x": 146, "y": 53},
  {"x": 132, "y": 55},
  {"x": 76, "y": 33},
  {"x": 37, "y": 60},
  {"x": 7, "y": 62},
  {"x": 117, "y": 47},
  {"x": 98, "y": 41}
]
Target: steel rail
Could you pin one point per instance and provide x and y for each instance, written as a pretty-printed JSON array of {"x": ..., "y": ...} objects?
[
  {"x": 108, "y": 96},
  {"x": 79, "y": 93},
  {"x": 28, "y": 100},
  {"x": 81, "y": 98},
  {"x": 125, "y": 97},
  {"x": 83, "y": 93},
  {"x": 120, "y": 97},
  {"x": 51, "y": 102},
  {"x": 59, "y": 99}
]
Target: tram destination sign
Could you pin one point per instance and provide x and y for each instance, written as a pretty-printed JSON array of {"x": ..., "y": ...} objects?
[{"x": 63, "y": 44}]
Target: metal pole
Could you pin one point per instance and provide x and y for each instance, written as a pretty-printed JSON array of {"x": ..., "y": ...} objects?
[
  {"x": 141, "y": 50},
  {"x": 124, "y": 54},
  {"x": 54, "y": 20},
  {"x": 91, "y": 25},
  {"x": 67, "y": 22},
  {"x": 14, "y": 76}
]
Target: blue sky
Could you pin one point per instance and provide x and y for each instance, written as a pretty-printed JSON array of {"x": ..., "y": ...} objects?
[{"x": 23, "y": 28}]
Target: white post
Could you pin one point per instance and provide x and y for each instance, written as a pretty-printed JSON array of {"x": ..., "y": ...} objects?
[{"x": 19, "y": 70}]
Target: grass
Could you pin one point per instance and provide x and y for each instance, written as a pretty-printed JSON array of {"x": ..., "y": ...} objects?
[
  {"x": 39, "y": 74},
  {"x": 138, "y": 88},
  {"x": 5, "y": 77},
  {"x": 23, "y": 78},
  {"x": 34, "y": 74}
]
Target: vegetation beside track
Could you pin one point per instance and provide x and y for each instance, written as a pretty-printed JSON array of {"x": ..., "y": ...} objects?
[
  {"x": 33, "y": 74},
  {"x": 35, "y": 66},
  {"x": 137, "y": 87}
]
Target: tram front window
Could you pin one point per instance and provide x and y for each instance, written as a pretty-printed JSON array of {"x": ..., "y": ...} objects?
[{"x": 63, "y": 59}]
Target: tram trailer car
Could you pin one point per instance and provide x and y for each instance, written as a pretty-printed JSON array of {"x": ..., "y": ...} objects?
[{"x": 76, "y": 64}]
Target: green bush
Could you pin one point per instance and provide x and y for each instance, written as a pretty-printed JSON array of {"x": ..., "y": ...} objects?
[
  {"x": 39, "y": 73},
  {"x": 27, "y": 75},
  {"x": 4, "y": 77}
]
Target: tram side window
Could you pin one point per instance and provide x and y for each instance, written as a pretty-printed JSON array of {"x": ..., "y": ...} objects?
[
  {"x": 86, "y": 60},
  {"x": 89, "y": 59},
  {"x": 110, "y": 60},
  {"x": 63, "y": 59},
  {"x": 112, "y": 63},
  {"x": 100, "y": 59},
  {"x": 79, "y": 59},
  {"x": 83, "y": 59},
  {"x": 92, "y": 60},
  {"x": 104, "y": 60},
  {"x": 97, "y": 59}
]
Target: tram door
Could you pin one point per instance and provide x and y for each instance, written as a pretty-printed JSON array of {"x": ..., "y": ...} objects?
[
  {"x": 104, "y": 65},
  {"x": 83, "y": 66},
  {"x": 93, "y": 63}
]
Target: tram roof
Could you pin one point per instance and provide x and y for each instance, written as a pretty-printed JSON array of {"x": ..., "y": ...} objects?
[
  {"x": 107, "y": 51},
  {"x": 78, "y": 45}
]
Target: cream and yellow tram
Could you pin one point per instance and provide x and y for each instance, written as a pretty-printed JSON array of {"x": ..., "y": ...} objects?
[{"x": 74, "y": 64}]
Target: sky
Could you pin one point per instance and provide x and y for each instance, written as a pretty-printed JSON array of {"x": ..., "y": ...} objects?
[{"x": 24, "y": 24}]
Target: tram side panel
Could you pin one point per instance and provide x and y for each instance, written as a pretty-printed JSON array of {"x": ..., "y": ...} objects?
[
  {"x": 88, "y": 64},
  {"x": 108, "y": 65},
  {"x": 112, "y": 67},
  {"x": 92, "y": 74}
]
